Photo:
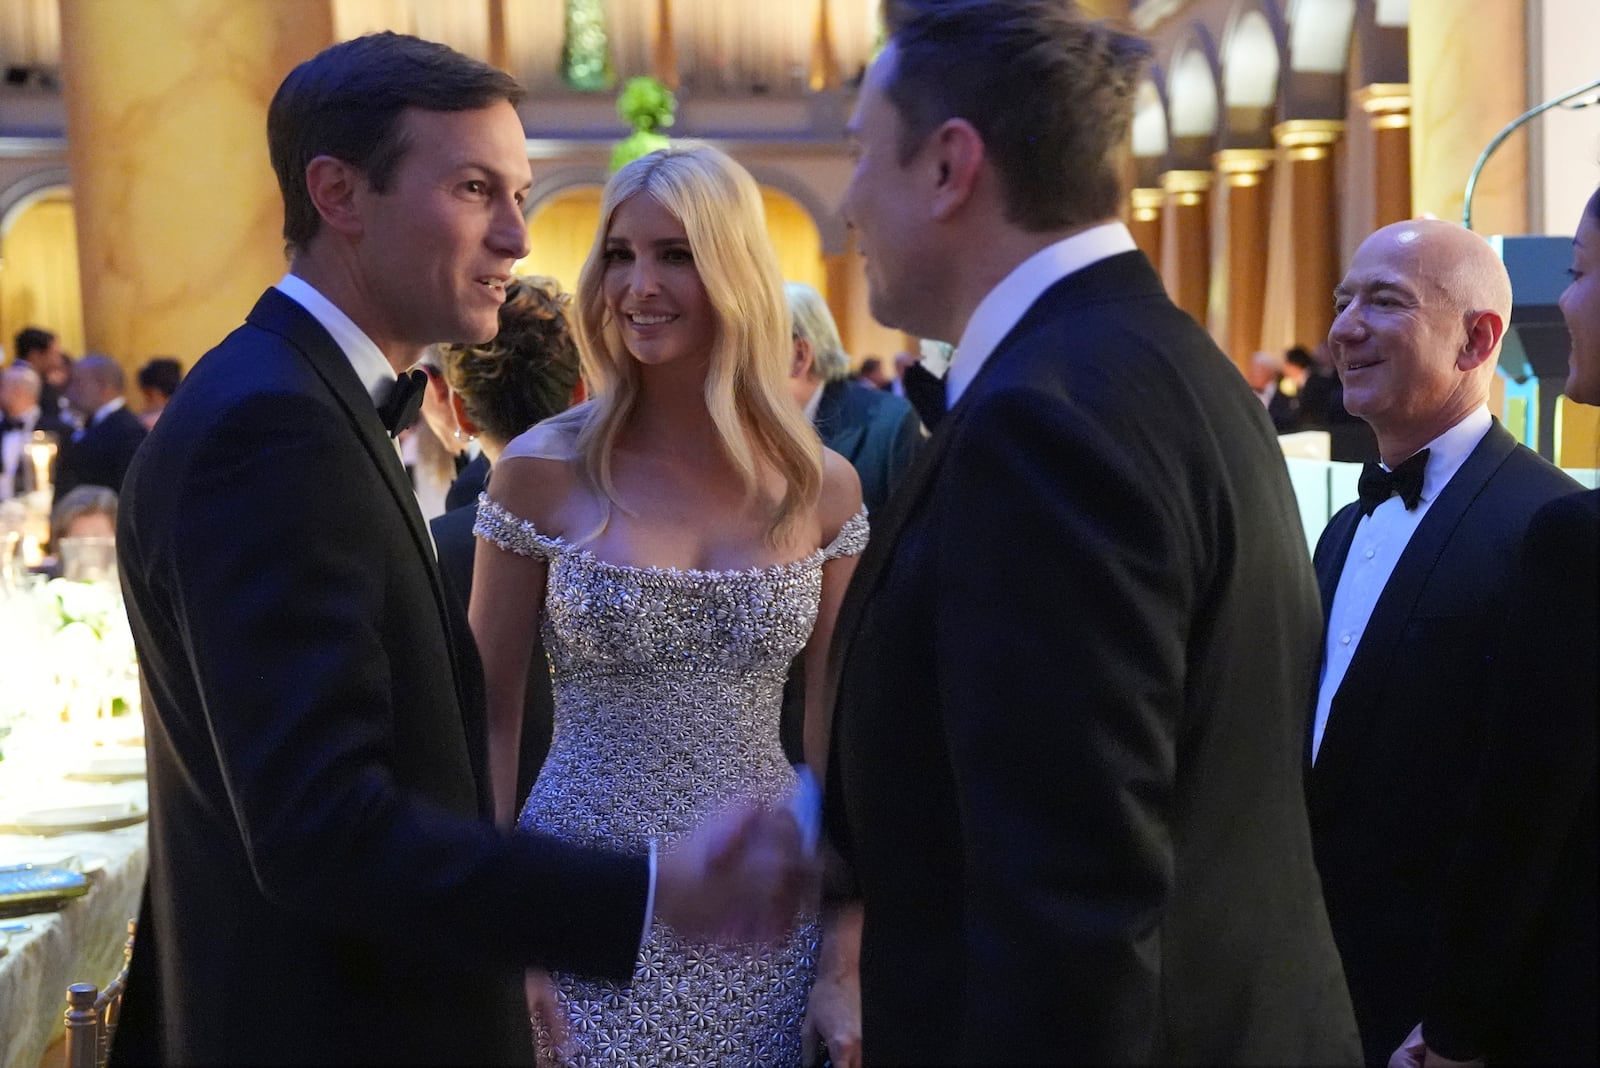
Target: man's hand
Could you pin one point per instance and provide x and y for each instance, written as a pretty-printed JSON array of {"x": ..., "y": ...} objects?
[{"x": 738, "y": 878}]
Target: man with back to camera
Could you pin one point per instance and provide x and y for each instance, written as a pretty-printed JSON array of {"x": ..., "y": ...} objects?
[
  {"x": 1416, "y": 581},
  {"x": 1072, "y": 664},
  {"x": 325, "y": 885}
]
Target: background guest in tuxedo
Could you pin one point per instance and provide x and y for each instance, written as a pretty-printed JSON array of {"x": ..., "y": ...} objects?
[
  {"x": 873, "y": 429},
  {"x": 873, "y": 373},
  {"x": 528, "y": 373},
  {"x": 157, "y": 380},
  {"x": 1286, "y": 405},
  {"x": 921, "y": 387},
  {"x": 320, "y": 853},
  {"x": 41, "y": 350},
  {"x": 20, "y": 390},
  {"x": 1066, "y": 769},
  {"x": 1517, "y": 972},
  {"x": 100, "y": 452},
  {"x": 1416, "y": 578}
]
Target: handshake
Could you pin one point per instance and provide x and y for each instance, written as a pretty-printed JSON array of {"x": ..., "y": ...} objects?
[{"x": 741, "y": 876}]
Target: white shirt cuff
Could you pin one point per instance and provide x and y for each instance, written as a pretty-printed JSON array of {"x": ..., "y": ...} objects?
[{"x": 649, "y": 899}]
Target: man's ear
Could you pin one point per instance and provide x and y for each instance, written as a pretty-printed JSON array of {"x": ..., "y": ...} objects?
[
  {"x": 464, "y": 421},
  {"x": 334, "y": 187},
  {"x": 804, "y": 359},
  {"x": 955, "y": 149},
  {"x": 1485, "y": 329}
]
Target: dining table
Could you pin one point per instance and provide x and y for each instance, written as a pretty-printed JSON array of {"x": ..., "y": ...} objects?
[{"x": 72, "y": 798}]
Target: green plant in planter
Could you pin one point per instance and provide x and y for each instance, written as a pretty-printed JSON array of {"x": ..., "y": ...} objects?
[{"x": 647, "y": 106}]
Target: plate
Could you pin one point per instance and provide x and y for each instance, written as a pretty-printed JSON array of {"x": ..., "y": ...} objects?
[
  {"x": 111, "y": 767},
  {"x": 75, "y": 818},
  {"x": 77, "y": 860}
]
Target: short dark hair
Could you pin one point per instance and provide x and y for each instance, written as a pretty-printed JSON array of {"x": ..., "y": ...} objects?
[
  {"x": 1059, "y": 155},
  {"x": 162, "y": 374},
  {"x": 348, "y": 101},
  {"x": 1299, "y": 356},
  {"x": 31, "y": 339},
  {"x": 528, "y": 372}
]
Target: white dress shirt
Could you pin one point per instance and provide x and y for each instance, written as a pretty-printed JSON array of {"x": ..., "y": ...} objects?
[
  {"x": 369, "y": 362},
  {"x": 1375, "y": 549},
  {"x": 1008, "y": 302},
  {"x": 12, "y": 444}
]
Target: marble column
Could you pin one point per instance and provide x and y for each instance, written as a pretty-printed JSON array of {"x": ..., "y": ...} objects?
[
  {"x": 1303, "y": 245},
  {"x": 1239, "y": 253},
  {"x": 1186, "y": 240},
  {"x": 664, "y": 51},
  {"x": 1468, "y": 63},
  {"x": 179, "y": 216},
  {"x": 1144, "y": 220}
]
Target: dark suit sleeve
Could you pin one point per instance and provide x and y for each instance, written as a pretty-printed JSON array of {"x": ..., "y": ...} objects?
[
  {"x": 1063, "y": 680},
  {"x": 281, "y": 590},
  {"x": 1538, "y": 803}
]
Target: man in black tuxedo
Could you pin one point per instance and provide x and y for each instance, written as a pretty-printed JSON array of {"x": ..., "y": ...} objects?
[
  {"x": 98, "y": 454},
  {"x": 20, "y": 415},
  {"x": 39, "y": 349},
  {"x": 325, "y": 885},
  {"x": 1072, "y": 664},
  {"x": 1416, "y": 580}
]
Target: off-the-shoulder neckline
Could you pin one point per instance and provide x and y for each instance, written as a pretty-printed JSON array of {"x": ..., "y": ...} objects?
[{"x": 560, "y": 546}]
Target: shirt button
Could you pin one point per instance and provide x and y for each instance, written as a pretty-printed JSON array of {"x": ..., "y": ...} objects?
[
  {"x": 1344, "y": 639},
  {"x": 1370, "y": 554}
]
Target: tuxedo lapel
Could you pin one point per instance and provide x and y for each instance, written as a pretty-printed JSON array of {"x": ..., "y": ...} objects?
[
  {"x": 279, "y": 315},
  {"x": 1355, "y": 703},
  {"x": 1126, "y": 274},
  {"x": 1342, "y": 531}
]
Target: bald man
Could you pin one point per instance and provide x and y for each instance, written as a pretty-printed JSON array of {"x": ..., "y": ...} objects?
[{"x": 1415, "y": 582}]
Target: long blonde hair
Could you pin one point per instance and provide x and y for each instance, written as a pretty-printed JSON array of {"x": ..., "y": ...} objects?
[{"x": 755, "y": 416}]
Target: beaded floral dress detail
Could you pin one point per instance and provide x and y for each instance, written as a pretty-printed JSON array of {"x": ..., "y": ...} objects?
[{"x": 668, "y": 685}]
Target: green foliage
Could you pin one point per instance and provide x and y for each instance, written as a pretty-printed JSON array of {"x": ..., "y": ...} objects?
[
  {"x": 639, "y": 143},
  {"x": 646, "y": 104}
]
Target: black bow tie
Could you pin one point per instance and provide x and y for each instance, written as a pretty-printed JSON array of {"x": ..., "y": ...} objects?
[
  {"x": 8, "y": 425},
  {"x": 405, "y": 401},
  {"x": 1378, "y": 485}
]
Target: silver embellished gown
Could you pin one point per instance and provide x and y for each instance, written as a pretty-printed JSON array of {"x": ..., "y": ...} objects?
[{"x": 668, "y": 686}]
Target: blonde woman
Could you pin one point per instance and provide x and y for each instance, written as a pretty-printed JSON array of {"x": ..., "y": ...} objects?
[{"x": 676, "y": 541}]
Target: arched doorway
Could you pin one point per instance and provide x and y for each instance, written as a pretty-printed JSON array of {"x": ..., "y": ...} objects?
[
  {"x": 39, "y": 281},
  {"x": 561, "y": 232}
]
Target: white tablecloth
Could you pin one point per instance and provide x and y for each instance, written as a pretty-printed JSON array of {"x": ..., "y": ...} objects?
[{"x": 82, "y": 942}]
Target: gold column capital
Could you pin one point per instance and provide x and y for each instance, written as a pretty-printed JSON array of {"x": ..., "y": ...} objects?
[
  {"x": 1381, "y": 97},
  {"x": 1146, "y": 203},
  {"x": 1243, "y": 167},
  {"x": 1184, "y": 188},
  {"x": 1307, "y": 139}
]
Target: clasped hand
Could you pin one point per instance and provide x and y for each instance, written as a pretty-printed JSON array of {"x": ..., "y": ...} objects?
[{"x": 738, "y": 878}]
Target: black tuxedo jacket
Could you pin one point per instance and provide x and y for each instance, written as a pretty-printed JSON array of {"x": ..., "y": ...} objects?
[
  {"x": 1072, "y": 668},
  {"x": 1520, "y": 955},
  {"x": 468, "y": 483},
  {"x": 876, "y": 431},
  {"x": 101, "y": 454},
  {"x": 452, "y": 533},
  {"x": 323, "y": 885},
  {"x": 1402, "y": 750}
]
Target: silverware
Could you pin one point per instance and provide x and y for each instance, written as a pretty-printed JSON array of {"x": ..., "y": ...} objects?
[{"x": 16, "y": 928}]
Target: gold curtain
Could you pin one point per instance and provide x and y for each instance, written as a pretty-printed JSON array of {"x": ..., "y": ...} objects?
[
  {"x": 39, "y": 273},
  {"x": 561, "y": 232}
]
